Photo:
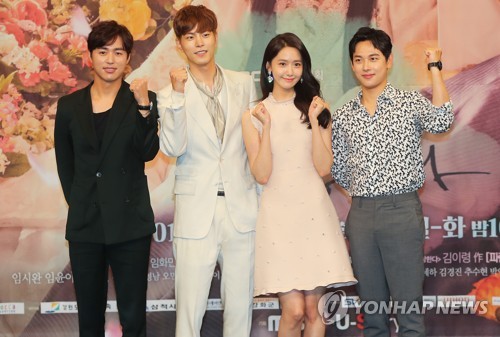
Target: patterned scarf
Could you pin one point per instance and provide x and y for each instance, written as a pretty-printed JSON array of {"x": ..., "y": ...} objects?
[{"x": 213, "y": 105}]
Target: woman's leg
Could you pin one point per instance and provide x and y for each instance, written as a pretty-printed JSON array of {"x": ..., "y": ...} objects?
[
  {"x": 314, "y": 326},
  {"x": 292, "y": 313}
]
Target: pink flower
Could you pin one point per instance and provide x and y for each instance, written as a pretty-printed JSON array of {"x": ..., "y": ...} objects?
[
  {"x": 11, "y": 27},
  {"x": 29, "y": 79},
  {"x": 78, "y": 44},
  {"x": 63, "y": 33},
  {"x": 57, "y": 71},
  {"x": 14, "y": 94},
  {"x": 40, "y": 49},
  {"x": 8, "y": 109},
  {"x": 29, "y": 10},
  {"x": 8, "y": 99},
  {"x": 49, "y": 36}
]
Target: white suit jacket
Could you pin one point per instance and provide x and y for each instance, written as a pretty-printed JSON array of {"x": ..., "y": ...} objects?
[{"x": 187, "y": 132}]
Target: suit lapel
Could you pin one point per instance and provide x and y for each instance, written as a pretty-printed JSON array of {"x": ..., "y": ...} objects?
[
  {"x": 234, "y": 93},
  {"x": 198, "y": 110},
  {"x": 119, "y": 110},
  {"x": 84, "y": 116}
]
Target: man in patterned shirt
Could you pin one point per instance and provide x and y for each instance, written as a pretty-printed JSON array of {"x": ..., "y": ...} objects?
[{"x": 378, "y": 160}]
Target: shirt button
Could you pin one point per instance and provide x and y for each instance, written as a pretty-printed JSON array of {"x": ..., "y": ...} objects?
[{"x": 98, "y": 174}]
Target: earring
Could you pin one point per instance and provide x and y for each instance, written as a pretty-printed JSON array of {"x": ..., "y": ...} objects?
[
  {"x": 270, "y": 77},
  {"x": 301, "y": 80}
]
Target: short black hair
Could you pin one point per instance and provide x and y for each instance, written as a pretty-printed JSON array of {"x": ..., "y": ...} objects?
[
  {"x": 377, "y": 37},
  {"x": 106, "y": 32}
]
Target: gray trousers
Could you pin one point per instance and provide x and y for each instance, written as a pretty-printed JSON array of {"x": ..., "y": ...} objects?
[{"x": 386, "y": 236}]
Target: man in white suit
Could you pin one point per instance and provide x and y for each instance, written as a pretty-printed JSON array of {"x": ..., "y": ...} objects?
[{"x": 215, "y": 194}]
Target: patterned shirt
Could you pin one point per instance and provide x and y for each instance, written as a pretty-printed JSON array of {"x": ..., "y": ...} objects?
[{"x": 381, "y": 154}]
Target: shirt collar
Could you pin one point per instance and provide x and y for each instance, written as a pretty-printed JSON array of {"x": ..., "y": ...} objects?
[{"x": 387, "y": 95}]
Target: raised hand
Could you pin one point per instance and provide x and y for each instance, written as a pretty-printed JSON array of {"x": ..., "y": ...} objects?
[
  {"x": 433, "y": 54},
  {"x": 178, "y": 78},
  {"x": 139, "y": 87},
  {"x": 316, "y": 107},
  {"x": 260, "y": 112}
]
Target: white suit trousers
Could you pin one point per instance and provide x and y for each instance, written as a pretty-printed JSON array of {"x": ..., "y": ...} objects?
[{"x": 195, "y": 263}]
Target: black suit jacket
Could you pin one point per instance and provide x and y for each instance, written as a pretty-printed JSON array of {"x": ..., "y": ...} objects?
[{"x": 105, "y": 187}]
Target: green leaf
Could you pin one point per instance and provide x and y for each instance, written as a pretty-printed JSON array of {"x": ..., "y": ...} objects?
[
  {"x": 5, "y": 81},
  {"x": 18, "y": 166}
]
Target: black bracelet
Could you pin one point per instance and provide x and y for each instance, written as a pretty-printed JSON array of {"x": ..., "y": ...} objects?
[
  {"x": 437, "y": 64},
  {"x": 145, "y": 107}
]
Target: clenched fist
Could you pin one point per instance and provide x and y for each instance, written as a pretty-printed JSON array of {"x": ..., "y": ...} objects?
[
  {"x": 433, "y": 54},
  {"x": 139, "y": 87},
  {"x": 178, "y": 78},
  {"x": 316, "y": 107},
  {"x": 260, "y": 112}
]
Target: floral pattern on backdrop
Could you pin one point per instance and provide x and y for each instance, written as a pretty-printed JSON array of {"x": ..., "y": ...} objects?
[{"x": 43, "y": 55}]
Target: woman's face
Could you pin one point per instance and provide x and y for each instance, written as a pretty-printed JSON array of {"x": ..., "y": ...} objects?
[{"x": 287, "y": 69}]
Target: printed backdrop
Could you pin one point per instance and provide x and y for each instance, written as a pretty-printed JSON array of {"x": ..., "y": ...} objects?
[{"x": 43, "y": 56}]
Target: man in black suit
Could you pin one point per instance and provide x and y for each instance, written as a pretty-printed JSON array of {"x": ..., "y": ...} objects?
[{"x": 104, "y": 133}]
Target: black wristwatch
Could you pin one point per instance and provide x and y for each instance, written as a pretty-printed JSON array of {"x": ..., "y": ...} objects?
[
  {"x": 145, "y": 107},
  {"x": 437, "y": 64}
]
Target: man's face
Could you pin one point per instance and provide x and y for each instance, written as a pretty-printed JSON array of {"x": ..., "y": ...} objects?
[
  {"x": 110, "y": 61},
  {"x": 199, "y": 47},
  {"x": 370, "y": 66}
]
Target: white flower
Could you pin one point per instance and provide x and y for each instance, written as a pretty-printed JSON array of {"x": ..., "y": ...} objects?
[
  {"x": 7, "y": 43},
  {"x": 23, "y": 59}
]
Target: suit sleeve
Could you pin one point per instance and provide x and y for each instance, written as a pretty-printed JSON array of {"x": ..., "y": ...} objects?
[
  {"x": 173, "y": 122},
  {"x": 151, "y": 143},
  {"x": 64, "y": 149},
  {"x": 253, "y": 93}
]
